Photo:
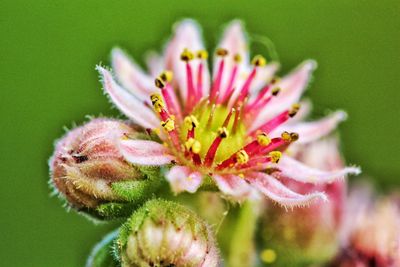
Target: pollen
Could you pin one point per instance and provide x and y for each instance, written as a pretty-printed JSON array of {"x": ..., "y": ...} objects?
[
  {"x": 263, "y": 139},
  {"x": 202, "y": 54},
  {"x": 159, "y": 83},
  {"x": 286, "y": 136},
  {"x": 259, "y": 61},
  {"x": 275, "y": 91},
  {"x": 223, "y": 132},
  {"x": 293, "y": 111},
  {"x": 187, "y": 55},
  {"x": 191, "y": 122},
  {"x": 193, "y": 145},
  {"x": 222, "y": 52},
  {"x": 294, "y": 136},
  {"x": 242, "y": 157},
  {"x": 157, "y": 102},
  {"x": 275, "y": 156},
  {"x": 237, "y": 58},
  {"x": 168, "y": 124},
  {"x": 166, "y": 76}
]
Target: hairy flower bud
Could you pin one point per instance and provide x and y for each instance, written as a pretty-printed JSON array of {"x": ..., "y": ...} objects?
[
  {"x": 163, "y": 233},
  {"x": 87, "y": 168},
  {"x": 307, "y": 234}
]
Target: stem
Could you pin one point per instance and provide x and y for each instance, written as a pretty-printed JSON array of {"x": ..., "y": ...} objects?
[{"x": 242, "y": 250}]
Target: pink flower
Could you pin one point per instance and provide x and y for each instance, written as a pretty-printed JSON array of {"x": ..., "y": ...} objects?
[
  {"x": 314, "y": 238},
  {"x": 371, "y": 231},
  {"x": 232, "y": 130}
]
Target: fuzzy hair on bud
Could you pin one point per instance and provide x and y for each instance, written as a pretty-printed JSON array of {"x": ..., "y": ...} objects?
[
  {"x": 163, "y": 233},
  {"x": 87, "y": 163}
]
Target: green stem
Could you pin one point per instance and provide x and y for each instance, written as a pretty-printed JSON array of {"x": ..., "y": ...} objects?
[{"x": 242, "y": 249}]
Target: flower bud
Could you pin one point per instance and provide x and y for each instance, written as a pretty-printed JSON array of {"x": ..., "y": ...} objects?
[
  {"x": 163, "y": 233},
  {"x": 371, "y": 231},
  {"x": 87, "y": 168},
  {"x": 307, "y": 234}
]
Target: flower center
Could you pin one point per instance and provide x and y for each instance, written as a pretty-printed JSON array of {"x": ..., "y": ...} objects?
[{"x": 214, "y": 121}]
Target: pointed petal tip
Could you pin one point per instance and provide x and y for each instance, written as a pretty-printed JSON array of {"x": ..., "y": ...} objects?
[
  {"x": 310, "y": 64},
  {"x": 340, "y": 115},
  {"x": 186, "y": 24}
]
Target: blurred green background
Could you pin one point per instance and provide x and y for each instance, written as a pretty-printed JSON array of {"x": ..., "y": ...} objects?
[{"x": 48, "y": 50}]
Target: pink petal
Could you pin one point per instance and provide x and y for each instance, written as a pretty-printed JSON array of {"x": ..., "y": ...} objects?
[
  {"x": 292, "y": 87},
  {"x": 184, "y": 179},
  {"x": 311, "y": 131},
  {"x": 127, "y": 103},
  {"x": 186, "y": 35},
  {"x": 278, "y": 192},
  {"x": 145, "y": 152},
  {"x": 234, "y": 40},
  {"x": 297, "y": 171},
  {"x": 233, "y": 185},
  {"x": 155, "y": 63},
  {"x": 130, "y": 75}
]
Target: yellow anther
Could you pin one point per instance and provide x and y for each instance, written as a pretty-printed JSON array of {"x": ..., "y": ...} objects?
[
  {"x": 166, "y": 76},
  {"x": 157, "y": 102},
  {"x": 294, "y": 136},
  {"x": 293, "y": 111},
  {"x": 275, "y": 156},
  {"x": 241, "y": 175},
  {"x": 155, "y": 97},
  {"x": 159, "y": 83},
  {"x": 286, "y": 136},
  {"x": 187, "y": 55},
  {"x": 191, "y": 122},
  {"x": 168, "y": 125},
  {"x": 268, "y": 256},
  {"x": 202, "y": 54},
  {"x": 263, "y": 139},
  {"x": 223, "y": 132},
  {"x": 242, "y": 157},
  {"x": 259, "y": 61},
  {"x": 237, "y": 58},
  {"x": 193, "y": 145},
  {"x": 275, "y": 91},
  {"x": 222, "y": 52}
]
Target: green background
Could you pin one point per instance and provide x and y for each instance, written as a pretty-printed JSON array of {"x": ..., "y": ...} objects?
[{"x": 48, "y": 50}]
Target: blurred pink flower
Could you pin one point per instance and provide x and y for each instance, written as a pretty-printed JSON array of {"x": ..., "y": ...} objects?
[
  {"x": 371, "y": 231},
  {"x": 309, "y": 234},
  {"x": 231, "y": 130}
]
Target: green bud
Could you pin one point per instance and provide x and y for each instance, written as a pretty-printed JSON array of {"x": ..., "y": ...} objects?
[{"x": 163, "y": 233}]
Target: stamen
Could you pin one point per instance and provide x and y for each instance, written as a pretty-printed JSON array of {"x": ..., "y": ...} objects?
[
  {"x": 168, "y": 121},
  {"x": 279, "y": 119},
  {"x": 257, "y": 61},
  {"x": 222, "y": 133},
  {"x": 202, "y": 55},
  {"x": 275, "y": 156},
  {"x": 230, "y": 89},
  {"x": 187, "y": 56},
  {"x": 228, "y": 117},
  {"x": 171, "y": 100},
  {"x": 242, "y": 157},
  {"x": 250, "y": 149},
  {"x": 168, "y": 125},
  {"x": 217, "y": 82},
  {"x": 191, "y": 123},
  {"x": 211, "y": 116}
]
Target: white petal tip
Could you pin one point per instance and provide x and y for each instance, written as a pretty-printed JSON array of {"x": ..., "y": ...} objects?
[
  {"x": 341, "y": 115},
  {"x": 310, "y": 64},
  {"x": 354, "y": 170}
]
